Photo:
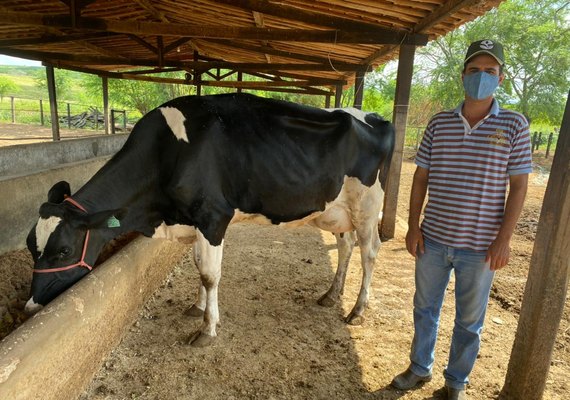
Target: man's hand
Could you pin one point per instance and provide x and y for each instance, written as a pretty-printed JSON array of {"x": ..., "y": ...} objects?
[
  {"x": 498, "y": 254},
  {"x": 415, "y": 241}
]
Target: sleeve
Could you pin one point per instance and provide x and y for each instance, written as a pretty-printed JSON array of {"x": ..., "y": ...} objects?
[
  {"x": 520, "y": 159},
  {"x": 423, "y": 156}
]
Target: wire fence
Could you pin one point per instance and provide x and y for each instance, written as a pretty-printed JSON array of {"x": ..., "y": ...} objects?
[
  {"x": 70, "y": 115},
  {"x": 84, "y": 116}
]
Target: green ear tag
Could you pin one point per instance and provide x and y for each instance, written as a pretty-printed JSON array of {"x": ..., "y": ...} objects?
[{"x": 113, "y": 222}]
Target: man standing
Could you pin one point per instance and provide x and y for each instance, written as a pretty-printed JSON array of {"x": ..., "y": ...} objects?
[{"x": 466, "y": 158}]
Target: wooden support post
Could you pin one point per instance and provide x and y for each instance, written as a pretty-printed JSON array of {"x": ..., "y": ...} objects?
[
  {"x": 13, "y": 108},
  {"x": 112, "y": 121},
  {"x": 338, "y": 96},
  {"x": 239, "y": 78},
  {"x": 550, "y": 136},
  {"x": 328, "y": 101},
  {"x": 197, "y": 76},
  {"x": 359, "y": 88},
  {"x": 547, "y": 282},
  {"x": 68, "y": 116},
  {"x": 124, "y": 121},
  {"x": 42, "y": 112},
  {"x": 400, "y": 119},
  {"x": 52, "y": 102},
  {"x": 105, "y": 82}
]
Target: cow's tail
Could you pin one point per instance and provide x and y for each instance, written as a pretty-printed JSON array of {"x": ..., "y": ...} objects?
[{"x": 388, "y": 140}]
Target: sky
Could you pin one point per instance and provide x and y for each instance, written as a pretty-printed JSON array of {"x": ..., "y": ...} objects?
[{"x": 7, "y": 60}]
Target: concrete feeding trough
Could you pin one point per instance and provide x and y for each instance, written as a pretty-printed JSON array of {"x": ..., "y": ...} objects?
[{"x": 55, "y": 354}]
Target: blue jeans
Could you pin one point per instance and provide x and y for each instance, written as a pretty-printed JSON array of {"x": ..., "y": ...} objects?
[{"x": 473, "y": 279}]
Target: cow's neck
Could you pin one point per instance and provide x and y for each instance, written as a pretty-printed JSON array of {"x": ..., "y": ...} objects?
[{"x": 129, "y": 181}]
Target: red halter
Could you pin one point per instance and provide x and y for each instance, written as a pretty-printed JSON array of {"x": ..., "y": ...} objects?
[{"x": 81, "y": 262}]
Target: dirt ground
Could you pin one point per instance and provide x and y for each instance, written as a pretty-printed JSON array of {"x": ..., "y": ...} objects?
[
  {"x": 13, "y": 134},
  {"x": 275, "y": 342}
]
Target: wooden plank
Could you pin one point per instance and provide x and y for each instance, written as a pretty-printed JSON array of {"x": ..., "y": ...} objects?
[
  {"x": 215, "y": 31},
  {"x": 400, "y": 119},
  {"x": 547, "y": 283},
  {"x": 50, "y": 74},
  {"x": 441, "y": 13},
  {"x": 309, "y": 17}
]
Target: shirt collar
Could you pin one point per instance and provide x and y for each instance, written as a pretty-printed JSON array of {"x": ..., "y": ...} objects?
[
  {"x": 469, "y": 129},
  {"x": 494, "y": 108}
]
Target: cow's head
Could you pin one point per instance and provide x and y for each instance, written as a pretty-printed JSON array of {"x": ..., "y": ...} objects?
[{"x": 64, "y": 243}]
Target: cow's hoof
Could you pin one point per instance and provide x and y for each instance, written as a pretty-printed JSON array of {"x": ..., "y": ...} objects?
[
  {"x": 200, "y": 339},
  {"x": 194, "y": 312},
  {"x": 325, "y": 301},
  {"x": 354, "y": 319}
]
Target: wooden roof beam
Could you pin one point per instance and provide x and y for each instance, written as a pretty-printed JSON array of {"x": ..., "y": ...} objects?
[
  {"x": 282, "y": 86},
  {"x": 56, "y": 39},
  {"x": 273, "y": 51},
  {"x": 54, "y": 58},
  {"x": 171, "y": 29}
]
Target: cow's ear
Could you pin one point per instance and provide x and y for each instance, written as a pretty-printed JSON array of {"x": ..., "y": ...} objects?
[
  {"x": 51, "y": 210},
  {"x": 104, "y": 219},
  {"x": 59, "y": 192}
]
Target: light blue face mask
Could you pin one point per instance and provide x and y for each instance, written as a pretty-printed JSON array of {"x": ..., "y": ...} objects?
[{"x": 480, "y": 85}]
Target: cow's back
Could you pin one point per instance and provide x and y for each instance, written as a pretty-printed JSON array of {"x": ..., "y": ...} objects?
[{"x": 270, "y": 157}]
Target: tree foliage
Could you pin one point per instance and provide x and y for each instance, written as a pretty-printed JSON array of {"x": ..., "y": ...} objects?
[
  {"x": 7, "y": 86},
  {"x": 535, "y": 36}
]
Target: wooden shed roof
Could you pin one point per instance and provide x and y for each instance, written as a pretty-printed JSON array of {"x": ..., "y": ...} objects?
[{"x": 306, "y": 44}]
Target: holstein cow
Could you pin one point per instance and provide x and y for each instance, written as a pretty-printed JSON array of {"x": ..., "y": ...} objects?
[{"x": 196, "y": 164}]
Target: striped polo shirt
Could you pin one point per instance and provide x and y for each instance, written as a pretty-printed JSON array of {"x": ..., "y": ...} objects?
[{"x": 468, "y": 174}]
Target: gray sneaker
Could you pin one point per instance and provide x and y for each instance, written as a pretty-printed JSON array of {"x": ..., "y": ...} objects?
[
  {"x": 456, "y": 394},
  {"x": 408, "y": 380}
]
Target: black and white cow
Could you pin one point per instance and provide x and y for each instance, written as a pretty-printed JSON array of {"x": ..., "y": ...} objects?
[{"x": 196, "y": 164}]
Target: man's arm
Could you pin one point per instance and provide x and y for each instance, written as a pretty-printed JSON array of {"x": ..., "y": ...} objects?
[
  {"x": 414, "y": 238},
  {"x": 499, "y": 251}
]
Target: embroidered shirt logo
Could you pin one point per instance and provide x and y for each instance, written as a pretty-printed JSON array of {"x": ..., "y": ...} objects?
[{"x": 498, "y": 138}]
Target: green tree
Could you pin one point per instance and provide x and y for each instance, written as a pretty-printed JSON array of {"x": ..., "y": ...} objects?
[
  {"x": 7, "y": 86},
  {"x": 535, "y": 35},
  {"x": 62, "y": 82}
]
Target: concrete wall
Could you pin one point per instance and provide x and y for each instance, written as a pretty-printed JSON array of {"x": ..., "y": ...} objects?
[
  {"x": 55, "y": 354},
  {"x": 21, "y": 197},
  {"x": 26, "y": 158},
  {"x": 28, "y": 171}
]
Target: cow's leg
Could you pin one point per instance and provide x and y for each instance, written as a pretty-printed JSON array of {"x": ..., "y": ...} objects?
[
  {"x": 369, "y": 243},
  {"x": 197, "y": 309},
  {"x": 366, "y": 222},
  {"x": 209, "y": 266},
  {"x": 345, "y": 244}
]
